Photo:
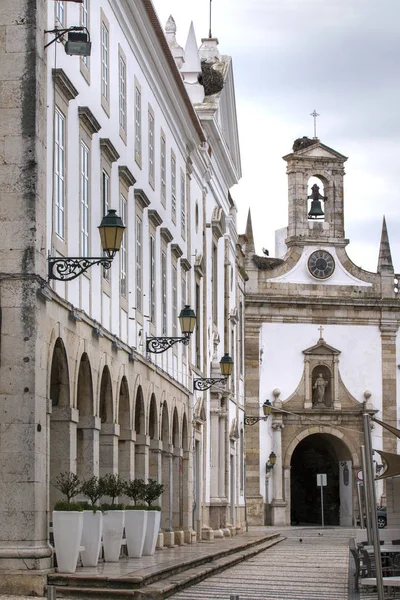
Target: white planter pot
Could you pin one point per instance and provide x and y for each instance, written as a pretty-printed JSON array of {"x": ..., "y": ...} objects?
[
  {"x": 67, "y": 530},
  {"x": 91, "y": 537},
  {"x": 152, "y": 529},
  {"x": 135, "y": 531},
  {"x": 113, "y": 527}
]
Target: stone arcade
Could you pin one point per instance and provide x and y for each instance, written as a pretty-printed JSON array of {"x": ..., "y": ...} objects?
[{"x": 321, "y": 344}]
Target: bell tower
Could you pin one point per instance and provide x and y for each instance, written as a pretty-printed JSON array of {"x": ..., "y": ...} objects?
[{"x": 321, "y": 220}]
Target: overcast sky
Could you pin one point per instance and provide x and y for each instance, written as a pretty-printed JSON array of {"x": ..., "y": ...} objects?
[{"x": 340, "y": 57}]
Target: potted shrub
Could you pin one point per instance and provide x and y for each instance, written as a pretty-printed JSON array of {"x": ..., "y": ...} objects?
[
  {"x": 135, "y": 518},
  {"x": 67, "y": 523},
  {"x": 92, "y": 521},
  {"x": 113, "y": 517},
  {"x": 152, "y": 491}
]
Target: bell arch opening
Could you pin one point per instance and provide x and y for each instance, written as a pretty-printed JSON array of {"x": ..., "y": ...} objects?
[
  {"x": 315, "y": 199},
  {"x": 324, "y": 454}
]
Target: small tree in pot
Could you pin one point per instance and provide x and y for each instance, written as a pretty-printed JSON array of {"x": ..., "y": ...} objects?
[
  {"x": 135, "y": 518},
  {"x": 152, "y": 491},
  {"x": 67, "y": 523},
  {"x": 92, "y": 522},
  {"x": 114, "y": 516}
]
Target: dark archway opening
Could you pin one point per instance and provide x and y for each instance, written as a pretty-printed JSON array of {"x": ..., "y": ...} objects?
[{"x": 316, "y": 454}]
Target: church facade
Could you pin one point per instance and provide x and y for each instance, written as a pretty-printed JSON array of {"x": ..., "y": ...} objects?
[{"x": 322, "y": 346}]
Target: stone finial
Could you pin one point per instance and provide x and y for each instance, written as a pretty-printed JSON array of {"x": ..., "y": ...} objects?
[
  {"x": 191, "y": 69},
  {"x": 176, "y": 49},
  {"x": 209, "y": 49},
  {"x": 250, "y": 247},
  {"x": 385, "y": 257}
]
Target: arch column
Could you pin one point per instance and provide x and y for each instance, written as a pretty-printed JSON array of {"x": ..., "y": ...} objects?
[
  {"x": 142, "y": 451},
  {"x": 63, "y": 445},
  {"x": 126, "y": 454},
  {"x": 88, "y": 441},
  {"x": 109, "y": 435},
  {"x": 278, "y": 504}
]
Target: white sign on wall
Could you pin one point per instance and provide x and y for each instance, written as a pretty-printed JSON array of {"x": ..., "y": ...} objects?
[{"x": 321, "y": 479}]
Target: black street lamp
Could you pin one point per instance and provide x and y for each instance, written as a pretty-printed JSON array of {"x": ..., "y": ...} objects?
[
  {"x": 267, "y": 407},
  {"x": 67, "y": 268},
  {"x": 271, "y": 462},
  {"x": 187, "y": 321},
  {"x": 78, "y": 41},
  {"x": 226, "y": 366}
]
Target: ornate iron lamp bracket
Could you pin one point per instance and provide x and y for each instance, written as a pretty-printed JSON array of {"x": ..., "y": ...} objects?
[
  {"x": 204, "y": 384},
  {"x": 254, "y": 420},
  {"x": 157, "y": 345},
  {"x": 66, "y": 269}
]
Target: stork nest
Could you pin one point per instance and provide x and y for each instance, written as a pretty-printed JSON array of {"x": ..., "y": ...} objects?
[
  {"x": 211, "y": 79},
  {"x": 266, "y": 264}
]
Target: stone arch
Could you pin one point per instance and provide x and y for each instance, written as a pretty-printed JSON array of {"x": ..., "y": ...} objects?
[
  {"x": 175, "y": 429},
  {"x": 166, "y": 469},
  {"x": 320, "y": 450},
  {"x": 88, "y": 428},
  {"x": 153, "y": 419},
  {"x": 108, "y": 450},
  {"x": 142, "y": 444},
  {"x": 164, "y": 430},
  {"x": 62, "y": 426},
  {"x": 185, "y": 437},
  {"x": 125, "y": 441},
  {"x": 106, "y": 409},
  {"x": 320, "y": 429}
]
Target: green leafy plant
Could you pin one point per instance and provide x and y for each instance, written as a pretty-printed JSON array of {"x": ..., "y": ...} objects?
[
  {"x": 93, "y": 489},
  {"x": 113, "y": 486},
  {"x": 68, "y": 484},
  {"x": 68, "y": 506},
  {"x": 152, "y": 491},
  {"x": 134, "y": 489}
]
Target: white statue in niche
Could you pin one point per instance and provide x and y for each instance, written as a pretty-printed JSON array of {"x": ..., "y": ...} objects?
[{"x": 319, "y": 390}]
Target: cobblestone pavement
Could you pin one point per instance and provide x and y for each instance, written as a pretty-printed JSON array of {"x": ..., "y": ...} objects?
[{"x": 317, "y": 568}]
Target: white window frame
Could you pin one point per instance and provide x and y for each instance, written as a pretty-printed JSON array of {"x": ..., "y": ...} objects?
[
  {"x": 139, "y": 261},
  {"x": 105, "y": 60},
  {"x": 84, "y": 14},
  {"x": 85, "y": 199},
  {"x": 163, "y": 292},
  {"x": 163, "y": 167},
  {"x": 59, "y": 172},
  {"x": 59, "y": 11},
  {"x": 174, "y": 300},
  {"x": 138, "y": 124},
  {"x": 123, "y": 250},
  {"x": 151, "y": 148},
  {"x": 152, "y": 261},
  {"x": 122, "y": 93},
  {"x": 183, "y": 205},
  {"x": 105, "y": 199},
  {"x": 173, "y": 187}
]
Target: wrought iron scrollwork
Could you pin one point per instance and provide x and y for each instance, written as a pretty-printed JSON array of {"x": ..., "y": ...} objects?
[
  {"x": 66, "y": 269},
  {"x": 204, "y": 384},
  {"x": 253, "y": 420},
  {"x": 157, "y": 345}
]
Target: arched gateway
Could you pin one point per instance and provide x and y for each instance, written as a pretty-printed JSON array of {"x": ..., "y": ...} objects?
[{"x": 321, "y": 454}]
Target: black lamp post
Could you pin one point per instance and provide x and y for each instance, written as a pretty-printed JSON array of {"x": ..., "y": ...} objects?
[
  {"x": 111, "y": 231},
  {"x": 267, "y": 407},
  {"x": 187, "y": 321},
  {"x": 226, "y": 366}
]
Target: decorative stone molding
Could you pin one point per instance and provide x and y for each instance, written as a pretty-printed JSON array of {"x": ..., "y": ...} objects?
[
  {"x": 185, "y": 265},
  {"x": 107, "y": 147},
  {"x": 154, "y": 218},
  {"x": 218, "y": 222},
  {"x": 199, "y": 265},
  {"x": 88, "y": 120},
  {"x": 166, "y": 235},
  {"x": 126, "y": 176},
  {"x": 64, "y": 84},
  {"x": 176, "y": 251},
  {"x": 142, "y": 199}
]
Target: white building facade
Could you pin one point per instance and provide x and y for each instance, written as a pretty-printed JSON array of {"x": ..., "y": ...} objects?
[{"x": 128, "y": 128}]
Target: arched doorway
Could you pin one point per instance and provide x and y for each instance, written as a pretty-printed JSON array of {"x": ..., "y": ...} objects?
[
  {"x": 88, "y": 434},
  {"x": 321, "y": 453},
  {"x": 62, "y": 428}
]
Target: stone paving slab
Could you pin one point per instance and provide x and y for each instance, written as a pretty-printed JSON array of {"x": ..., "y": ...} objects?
[{"x": 316, "y": 568}]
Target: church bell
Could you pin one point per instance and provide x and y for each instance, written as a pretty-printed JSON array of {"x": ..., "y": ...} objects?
[{"x": 316, "y": 210}]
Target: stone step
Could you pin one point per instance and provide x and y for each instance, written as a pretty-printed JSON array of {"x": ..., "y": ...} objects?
[{"x": 162, "y": 584}]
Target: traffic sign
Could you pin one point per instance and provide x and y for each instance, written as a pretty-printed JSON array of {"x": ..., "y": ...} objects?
[{"x": 359, "y": 475}]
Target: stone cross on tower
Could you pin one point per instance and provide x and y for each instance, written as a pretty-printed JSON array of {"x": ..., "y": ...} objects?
[
  {"x": 320, "y": 328},
  {"x": 314, "y": 114}
]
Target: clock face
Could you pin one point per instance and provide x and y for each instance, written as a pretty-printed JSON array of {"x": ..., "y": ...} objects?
[{"x": 321, "y": 264}]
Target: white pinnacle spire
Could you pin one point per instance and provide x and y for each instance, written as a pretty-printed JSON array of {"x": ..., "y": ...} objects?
[
  {"x": 170, "y": 34},
  {"x": 191, "y": 68}
]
